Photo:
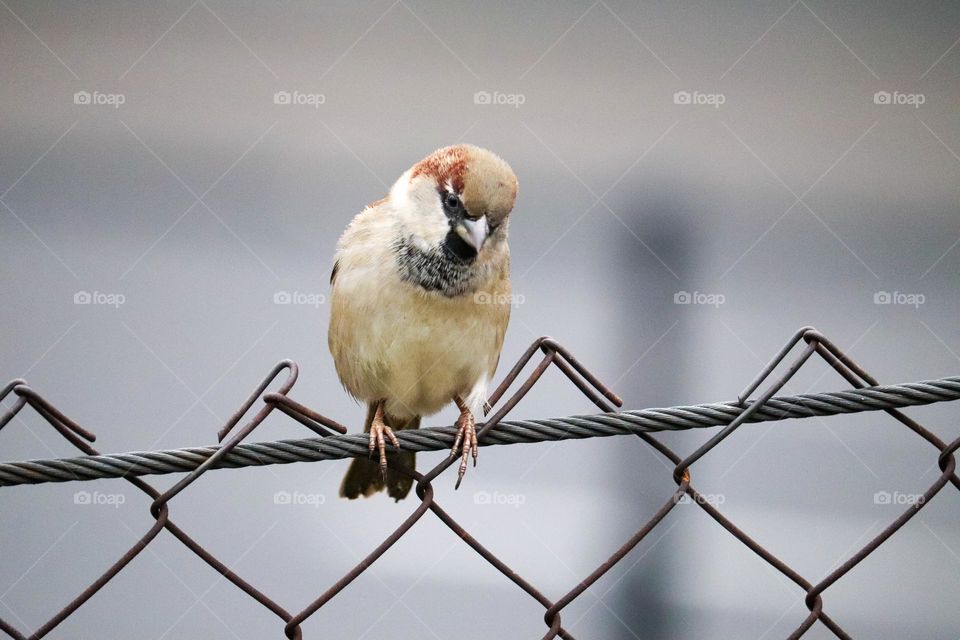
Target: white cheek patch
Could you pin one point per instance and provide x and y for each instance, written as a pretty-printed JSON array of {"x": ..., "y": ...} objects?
[
  {"x": 434, "y": 220},
  {"x": 422, "y": 213}
]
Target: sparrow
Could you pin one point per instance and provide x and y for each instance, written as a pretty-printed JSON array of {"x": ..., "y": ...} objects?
[{"x": 420, "y": 301}]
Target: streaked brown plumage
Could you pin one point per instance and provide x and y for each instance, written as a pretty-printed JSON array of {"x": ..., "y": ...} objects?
[{"x": 420, "y": 303}]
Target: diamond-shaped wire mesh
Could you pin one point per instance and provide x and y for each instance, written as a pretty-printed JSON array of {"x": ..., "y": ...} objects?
[{"x": 867, "y": 395}]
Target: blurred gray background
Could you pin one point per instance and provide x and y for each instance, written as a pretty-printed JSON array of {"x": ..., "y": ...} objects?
[{"x": 736, "y": 151}]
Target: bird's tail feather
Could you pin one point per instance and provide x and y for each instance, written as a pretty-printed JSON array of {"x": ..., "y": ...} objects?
[{"x": 363, "y": 476}]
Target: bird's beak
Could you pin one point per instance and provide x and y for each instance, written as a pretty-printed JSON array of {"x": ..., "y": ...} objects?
[{"x": 474, "y": 232}]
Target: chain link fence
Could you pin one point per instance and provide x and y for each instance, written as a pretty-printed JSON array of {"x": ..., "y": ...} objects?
[{"x": 866, "y": 394}]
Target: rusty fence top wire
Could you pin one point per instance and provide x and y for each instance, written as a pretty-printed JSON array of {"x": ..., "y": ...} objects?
[
  {"x": 336, "y": 447},
  {"x": 866, "y": 394}
]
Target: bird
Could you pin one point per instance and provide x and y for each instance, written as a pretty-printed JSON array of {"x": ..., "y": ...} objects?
[{"x": 419, "y": 306}]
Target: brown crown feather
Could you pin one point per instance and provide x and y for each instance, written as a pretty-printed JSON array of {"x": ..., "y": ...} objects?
[
  {"x": 444, "y": 165},
  {"x": 486, "y": 182}
]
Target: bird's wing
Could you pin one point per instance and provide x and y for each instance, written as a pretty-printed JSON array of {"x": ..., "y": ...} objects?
[
  {"x": 502, "y": 317},
  {"x": 333, "y": 272}
]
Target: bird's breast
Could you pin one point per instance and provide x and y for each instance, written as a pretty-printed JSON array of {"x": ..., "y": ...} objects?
[{"x": 392, "y": 339}]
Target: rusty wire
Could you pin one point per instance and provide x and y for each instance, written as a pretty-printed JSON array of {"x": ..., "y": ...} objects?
[
  {"x": 869, "y": 396},
  {"x": 601, "y": 425}
]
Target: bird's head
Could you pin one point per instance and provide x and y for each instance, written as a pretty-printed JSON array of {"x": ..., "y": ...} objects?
[{"x": 456, "y": 202}]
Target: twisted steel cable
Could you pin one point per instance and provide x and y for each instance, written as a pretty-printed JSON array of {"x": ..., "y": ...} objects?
[{"x": 335, "y": 447}]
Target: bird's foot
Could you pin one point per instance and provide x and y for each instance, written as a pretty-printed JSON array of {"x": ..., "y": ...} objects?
[
  {"x": 467, "y": 436},
  {"x": 379, "y": 433}
]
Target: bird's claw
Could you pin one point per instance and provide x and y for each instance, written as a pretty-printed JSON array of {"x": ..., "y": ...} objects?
[
  {"x": 466, "y": 435},
  {"x": 379, "y": 429}
]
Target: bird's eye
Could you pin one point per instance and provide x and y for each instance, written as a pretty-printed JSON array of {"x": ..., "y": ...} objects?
[{"x": 452, "y": 201}]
